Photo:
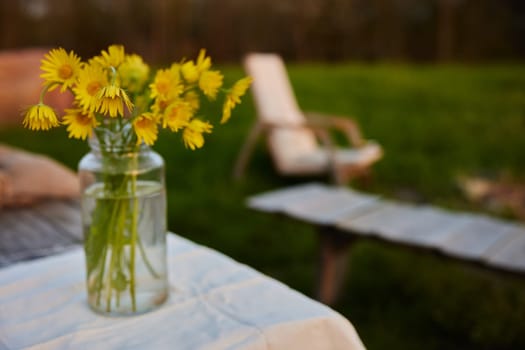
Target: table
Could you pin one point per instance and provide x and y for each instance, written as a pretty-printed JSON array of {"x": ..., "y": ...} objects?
[{"x": 215, "y": 303}]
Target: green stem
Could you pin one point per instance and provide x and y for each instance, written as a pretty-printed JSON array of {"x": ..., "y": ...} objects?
[
  {"x": 113, "y": 75},
  {"x": 115, "y": 233},
  {"x": 101, "y": 274},
  {"x": 133, "y": 242},
  {"x": 146, "y": 261},
  {"x": 110, "y": 273},
  {"x": 44, "y": 91}
]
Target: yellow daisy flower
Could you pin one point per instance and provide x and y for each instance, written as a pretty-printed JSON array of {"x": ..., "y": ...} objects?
[
  {"x": 192, "y": 134},
  {"x": 192, "y": 98},
  {"x": 79, "y": 123},
  {"x": 91, "y": 80},
  {"x": 133, "y": 73},
  {"x": 159, "y": 106},
  {"x": 234, "y": 97},
  {"x": 113, "y": 57},
  {"x": 175, "y": 67},
  {"x": 189, "y": 72},
  {"x": 166, "y": 85},
  {"x": 145, "y": 126},
  {"x": 177, "y": 115},
  {"x": 111, "y": 101},
  {"x": 40, "y": 117},
  {"x": 210, "y": 83},
  {"x": 203, "y": 62},
  {"x": 227, "y": 110},
  {"x": 60, "y": 67}
]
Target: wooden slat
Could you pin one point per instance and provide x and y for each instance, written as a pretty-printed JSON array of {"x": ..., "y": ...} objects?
[
  {"x": 427, "y": 227},
  {"x": 15, "y": 233},
  {"x": 511, "y": 255},
  {"x": 275, "y": 201},
  {"x": 37, "y": 231},
  {"x": 346, "y": 222},
  {"x": 46, "y": 229},
  {"x": 382, "y": 221},
  {"x": 65, "y": 215},
  {"x": 21, "y": 238},
  {"x": 472, "y": 240},
  {"x": 328, "y": 206}
]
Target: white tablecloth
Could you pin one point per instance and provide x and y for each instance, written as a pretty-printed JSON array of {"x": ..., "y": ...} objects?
[{"x": 215, "y": 303}]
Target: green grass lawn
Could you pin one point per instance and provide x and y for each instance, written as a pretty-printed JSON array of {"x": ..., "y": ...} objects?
[{"x": 435, "y": 123}]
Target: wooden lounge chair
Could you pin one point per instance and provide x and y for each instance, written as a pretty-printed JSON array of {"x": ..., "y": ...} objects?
[{"x": 300, "y": 143}]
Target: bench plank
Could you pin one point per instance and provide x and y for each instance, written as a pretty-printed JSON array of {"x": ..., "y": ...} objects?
[
  {"x": 511, "y": 255},
  {"x": 34, "y": 232},
  {"x": 428, "y": 227},
  {"x": 380, "y": 221},
  {"x": 65, "y": 215},
  {"x": 330, "y": 205},
  {"x": 274, "y": 201},
  {"x": 473, "y": 240}
]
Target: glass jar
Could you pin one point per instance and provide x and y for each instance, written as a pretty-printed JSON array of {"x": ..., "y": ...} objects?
[{"x": 124, "y": 223}]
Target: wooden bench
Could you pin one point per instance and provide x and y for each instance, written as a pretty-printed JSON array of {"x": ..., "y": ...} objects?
[
  {"x": 35, "y": 231},
  {"x": 342, "y": 215}
]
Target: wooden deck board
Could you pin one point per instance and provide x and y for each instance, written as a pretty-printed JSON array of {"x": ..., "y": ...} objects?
[
  {"x": 427, "y": 227},
  {"x": 274, "y": 201},
  {"x": 37, "y": 231},
  {"x": 381, "y": 221},
  {"x": 344, "y": 222},
  {"x": 473, "y": 240},
  {"x": 510, "y": 255},
  {"x": 65, "y": 215},
  {"x": 327, "y": 207}
]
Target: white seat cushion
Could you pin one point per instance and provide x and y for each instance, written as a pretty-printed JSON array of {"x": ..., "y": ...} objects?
[{"x": 317, "y": 162}]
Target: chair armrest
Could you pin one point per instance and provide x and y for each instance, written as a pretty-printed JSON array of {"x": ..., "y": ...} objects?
[
  {"x": 286, "y": 125},
  {"x": 320, "y": 124},
  {"x": 346, "y": 125},
  {"x": 319, "y": 129}
]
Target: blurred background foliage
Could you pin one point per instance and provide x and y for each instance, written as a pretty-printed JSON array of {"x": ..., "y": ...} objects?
[{"x": 333, "y": 30}]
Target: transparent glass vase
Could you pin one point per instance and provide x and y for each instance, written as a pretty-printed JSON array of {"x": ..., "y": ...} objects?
[{"x": 124, "y": 223}]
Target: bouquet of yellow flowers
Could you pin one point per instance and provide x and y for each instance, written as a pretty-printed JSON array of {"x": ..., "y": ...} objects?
[
  {"x": 120, "y": 105},
  {"x": 114, "y": 90}
]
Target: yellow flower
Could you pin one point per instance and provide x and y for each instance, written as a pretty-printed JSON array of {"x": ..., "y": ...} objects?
[
  {"x": 79, "y": 123},
  {"x": 113, "y": 91},
  {"x": 134, "y": 73},
  {"x": 60, "y": 67},
  {"x": 40, "y": 117},
  {"x": 145, "y": 126},
  {"x": 227, "y": 110},
  {"x": 159, "y": 106},
  {"x": 91, "y": 80},
  {"x": 189, "y": 72},
  {"x": 203, "y": 62},
  {"x": 166, "y": 85},
  {"x": 113, "y": 57},
  {"x": 234, "y": 97},
  {"x": 177, "y": 115},
  {"x": 192, "y": 134},
  {"x": 210, "y": 83},
  {"x": 193, "y": 100},
  {"x": 111, "y": 101}
]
